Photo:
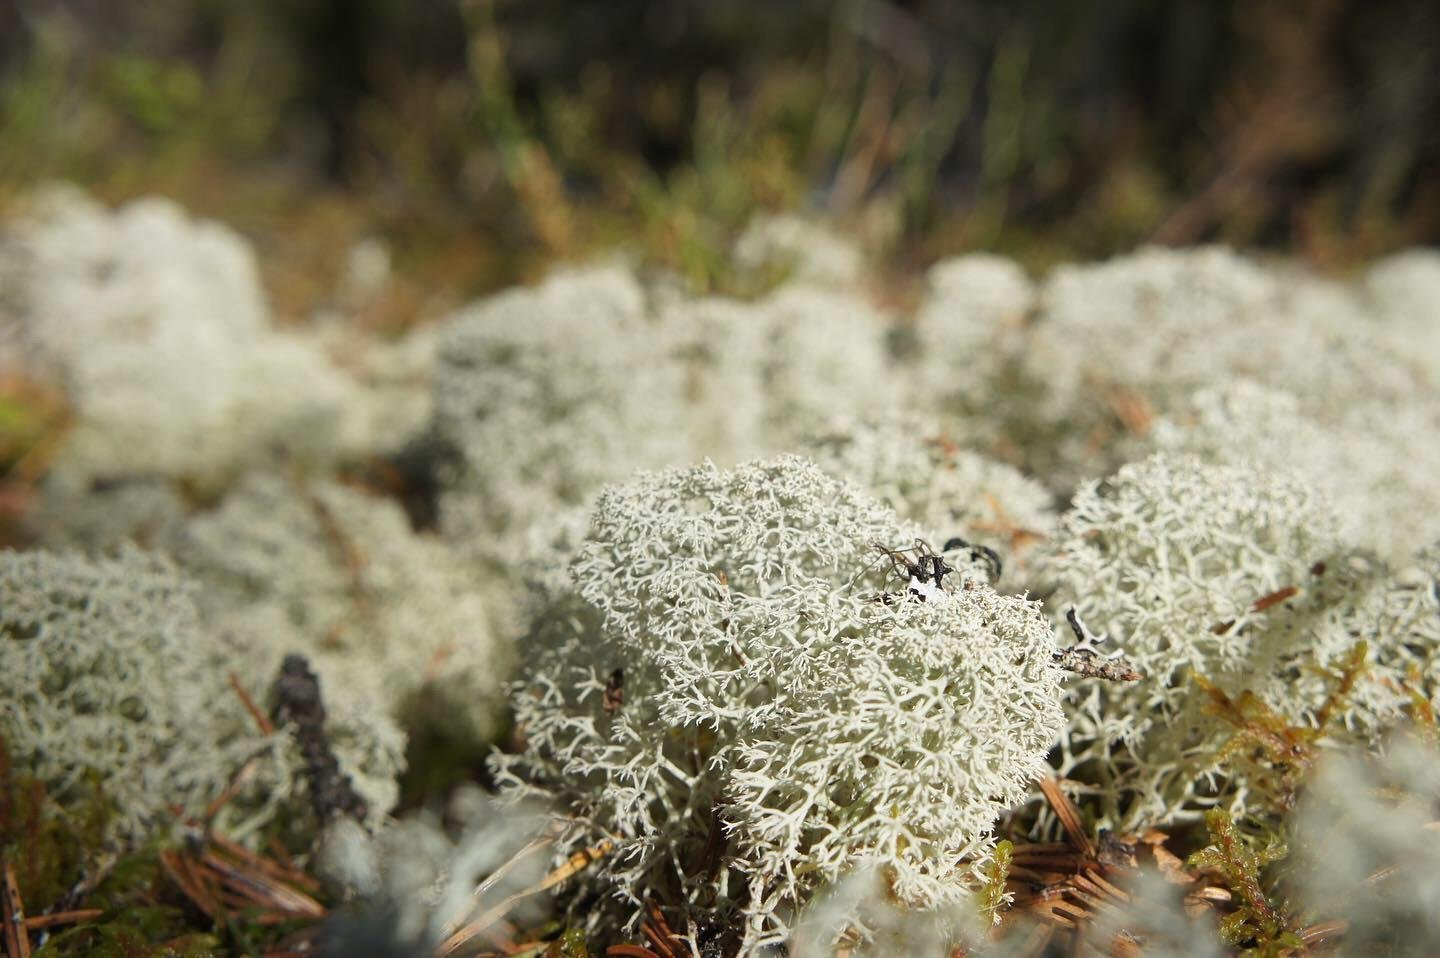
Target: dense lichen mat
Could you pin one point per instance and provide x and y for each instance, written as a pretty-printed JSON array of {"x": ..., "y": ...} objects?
[{"x": 607, "y": 615}]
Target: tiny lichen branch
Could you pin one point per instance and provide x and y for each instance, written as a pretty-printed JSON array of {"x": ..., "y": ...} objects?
[{"x": 1086, "y": 658}]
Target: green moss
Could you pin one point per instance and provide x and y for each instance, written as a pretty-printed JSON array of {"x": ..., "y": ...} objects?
[
  {"x": 1278, "y": 753},
  {"x": 48, "y": 850},
  {"x": 570, "y": 944},
  {"x": 1259, "y": 925},
  {"x": 992, "y": 895},
  {"x": 157, "y": 931}
]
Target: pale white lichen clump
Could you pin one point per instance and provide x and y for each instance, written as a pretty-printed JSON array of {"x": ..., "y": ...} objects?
[
  {"x": 1114, "y": 343},
  {"x": 799, "y": 250},
  {"x": 782, "y": 723},
  {"x": 1379, "y": 479},
  {"x": 157, "y": 327},
  {"x": 108, "y": 671},
  {"x": 1404, "y": 290},
  {"x": 104, "y": 672},
  {"x": 545, "y": 394},
  {"x": 385, "y": 615},
  {"x": 824, "y": 356},
  {"x": 418, "y": 883},
  {"x": 1182, "y": 564},
  {"x": 915, "y": 466},
  {"x": 969, "y": 330},
  {"x": 859, "y": 916},
  {"x": 1399, "y": 613}
]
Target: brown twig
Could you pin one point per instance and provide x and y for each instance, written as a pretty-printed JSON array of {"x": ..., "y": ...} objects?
[
  {"x": 1086, "y": 659},
  {"x": 247, "y": 771},
  {"x": 12, "y": 920},
  {"x": 1019, "y": 537},
  {"x": 1066, "y": 885},
  {"x": 345, "y": 548},
  {"x": 1322, "y": 931},
  {"x": 1068, "y": 815},
  {"x": 1274, "y": 598}
]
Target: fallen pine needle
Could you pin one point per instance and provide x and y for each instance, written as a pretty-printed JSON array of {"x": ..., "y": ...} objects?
[
  {"x": 262, "y": 721},
  {"x": 576, "y": 863},
  {"x": 36, "y": 922},
  {"x": 490, "y": 880}
]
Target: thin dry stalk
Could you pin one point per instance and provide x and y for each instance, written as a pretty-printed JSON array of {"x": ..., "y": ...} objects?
[
  {"x": 575, "y": 864},
  {"x": 12, "y": 918}
]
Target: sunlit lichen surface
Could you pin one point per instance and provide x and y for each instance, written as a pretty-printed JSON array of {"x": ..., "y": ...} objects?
[{"x": 738, "y": 624}]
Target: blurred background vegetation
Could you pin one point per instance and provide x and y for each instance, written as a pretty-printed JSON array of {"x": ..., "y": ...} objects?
[{"x": 484, "y": 139}]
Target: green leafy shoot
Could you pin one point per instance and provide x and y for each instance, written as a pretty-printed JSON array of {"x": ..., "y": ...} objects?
[{"x": 1259, "y": 926}]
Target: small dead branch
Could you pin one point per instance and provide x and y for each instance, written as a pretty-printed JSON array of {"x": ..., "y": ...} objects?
[
  {"x": 662, "y": 937},
  {"x": 1323, "y": 932},
  {"x": 78, "y": 893},
  {"x": 1086, "y": 658},
  {"x": 1274, "y": 598},
  {"x": 238, "y": 782},
  {"x": 614, "y": 699},
  {"x": 1132, "y": 409},
  {"x": 495, "y": 877},
  {"x": 1019, "y": 537},
  {"x": 37, "y": 922},
  {"x": 1068, "y": 816},
  {"x": 347, "y": 550}
]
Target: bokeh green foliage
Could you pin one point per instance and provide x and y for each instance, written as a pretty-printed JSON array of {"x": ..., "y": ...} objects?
[{"x": 1049, "y": 129}]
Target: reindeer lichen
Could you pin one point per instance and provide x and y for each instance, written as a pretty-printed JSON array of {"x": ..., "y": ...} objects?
[{"x": 785, "y": 720}]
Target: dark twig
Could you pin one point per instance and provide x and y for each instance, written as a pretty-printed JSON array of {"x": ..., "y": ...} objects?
[
  {"x": 1085, "y": 658},
  {"x": 298, "y": 702},
  {"x": 981, "y": 553}
]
